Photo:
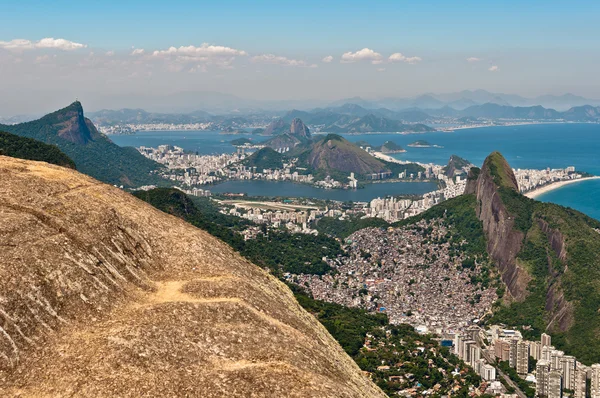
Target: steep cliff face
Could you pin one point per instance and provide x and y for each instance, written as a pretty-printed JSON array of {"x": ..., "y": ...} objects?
[
  {"x": 299, "y": 129},
  {"x": 102, "y": 295},
  {"x": 503, "y": 241}
]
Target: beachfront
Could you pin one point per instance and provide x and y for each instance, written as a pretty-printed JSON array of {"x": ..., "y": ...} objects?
[{"x": 555, "y": 185}]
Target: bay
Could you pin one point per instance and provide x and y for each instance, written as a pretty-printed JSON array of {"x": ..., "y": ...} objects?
[{"x": 536, "y": 146}]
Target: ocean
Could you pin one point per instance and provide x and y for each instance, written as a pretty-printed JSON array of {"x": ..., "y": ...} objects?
[{"x": 535, "y": 146}]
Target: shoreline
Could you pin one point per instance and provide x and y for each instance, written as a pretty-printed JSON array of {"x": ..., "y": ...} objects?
[{"x": 555, "y": 185}]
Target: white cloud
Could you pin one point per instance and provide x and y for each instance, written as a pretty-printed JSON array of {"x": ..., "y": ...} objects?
[
  {"x": 45, "y": 43},
  {"x": 473, "y": 59},
  {"x": 399, "y": 57},
  {"x": 493, "y": 68},
  {"x": 380, "y": 69},
  {"x": 327, "y": 59},
  {"x": 280, "y": 60},
  {"x": 192, "y": 56},
  {"x": 110, "y": 53},
  {"x": 366, "y": 54},
  {"x": 203, "y": 51},
  {"x": 138, "y": 51}
]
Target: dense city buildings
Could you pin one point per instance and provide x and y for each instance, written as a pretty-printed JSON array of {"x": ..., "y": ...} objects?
[{"x": 412, "y": 279}]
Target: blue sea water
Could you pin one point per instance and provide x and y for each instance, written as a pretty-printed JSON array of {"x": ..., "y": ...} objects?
[{"x": 530, "y": 146}]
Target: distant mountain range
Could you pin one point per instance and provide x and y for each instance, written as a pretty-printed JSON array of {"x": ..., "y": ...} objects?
[
  {"x": 354, "y": 118},
  {"x": 466, "y": 98}
]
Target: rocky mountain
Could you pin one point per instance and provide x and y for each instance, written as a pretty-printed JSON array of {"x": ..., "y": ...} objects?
[
  {"x": 277, "y": 127},
  {"x": 103, "y": 295},
  {"x": 390, "y": 147},
  {"x": 289, "y": 136},
  {"x": 373, "y": 123},
  {"x": 548, "y": 257},
  {"x": 93, "y": 153},
  {"x": 299, "y": 129},
  {"x": 336, "y": 153},
  {"x": 335, "y": 156},
  {"x": 456, "y": 165},
  {"x": 496, "y": 111},
  {"x": 265, "y": 158},
  {"x": 27, "y": 148},
  {"x": 583, "y": 113}
]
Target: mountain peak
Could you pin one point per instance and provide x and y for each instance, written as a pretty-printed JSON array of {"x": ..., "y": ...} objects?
[
  {"x": 299, "y": 129},
  {"x": 496, "y": 166},
  {"x": 71, "y": 124}
]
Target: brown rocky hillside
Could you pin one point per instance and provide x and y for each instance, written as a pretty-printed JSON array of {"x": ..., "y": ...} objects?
[{"x": 101, "y": 295}]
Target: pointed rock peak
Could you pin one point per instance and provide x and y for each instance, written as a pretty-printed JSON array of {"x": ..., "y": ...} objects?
[
  {"x": 298, "y": 128},
  {"x": 71, "y": 124},
  {"x": 498, "y": 168}
]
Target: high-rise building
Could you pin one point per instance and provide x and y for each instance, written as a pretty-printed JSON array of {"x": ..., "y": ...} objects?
[
  {"x": 535, "y": 349},
  {"x": 487, "y": 371},
  {"x": 555, "y": 360},
  {"x": 474, "y": 354},
  {"x": 502, "y": 350},
  {"x": 546, "y": 340},
  {"x": 580, "y": 383},
  {"x": 512, "y": 358},
  {"x": 545, "y": 353},
  {"x": 555, "y": 384},
  {"x": 541, "y": 375},
  {"x": 595, "y": 381},
  {"x": 522, "y": 364},
  {"x": 568, "y": 365},
  {"x": 466, "y": 352}
]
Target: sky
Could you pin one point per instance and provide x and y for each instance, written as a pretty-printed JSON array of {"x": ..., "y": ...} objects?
[{"x": 112, "y": 54}]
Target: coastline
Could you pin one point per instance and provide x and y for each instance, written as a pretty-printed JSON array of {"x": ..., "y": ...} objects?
[{"x": 555, "y": 185}]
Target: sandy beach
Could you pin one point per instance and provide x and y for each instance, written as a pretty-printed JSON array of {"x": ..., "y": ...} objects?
[{"x": 555, "y": 185}]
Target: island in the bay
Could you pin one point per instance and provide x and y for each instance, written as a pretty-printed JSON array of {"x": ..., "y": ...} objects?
[{"x": 423, "y": 144}]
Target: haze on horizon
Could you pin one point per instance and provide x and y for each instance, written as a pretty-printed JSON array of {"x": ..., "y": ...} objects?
[{"x": 137, "y": 54}]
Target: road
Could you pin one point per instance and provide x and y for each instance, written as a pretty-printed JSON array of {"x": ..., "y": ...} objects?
[{"x": 491, "y": 360}]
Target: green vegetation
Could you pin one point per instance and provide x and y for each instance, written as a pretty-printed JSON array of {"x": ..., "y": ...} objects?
[
  {"x": 278, "y": 251},
  {"x": 390, "y": 147},
  {"x": 407, "y": 353},
  {"x": 372, "y": 342},
  {"x": 265, "y": 158},
  {"x": 576, "y": 277},
  {"x": 500, "y": 171},
  {"x": 30, "y": 149},
  {"x": 348, "y": 326},
  {"x": 343, "y": 228},
  {"x": 519, "y": 206},
  {"x": 420, "y": 143},
  {"x": 93, "y": 153},
  {"x": 473, "y": 174}
]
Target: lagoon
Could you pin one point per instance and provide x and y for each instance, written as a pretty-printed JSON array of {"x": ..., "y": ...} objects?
[{"x": 290, "y": 189}]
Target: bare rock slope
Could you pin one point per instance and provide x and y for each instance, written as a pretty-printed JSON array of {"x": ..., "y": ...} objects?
[{"x": 101, "y": 295}]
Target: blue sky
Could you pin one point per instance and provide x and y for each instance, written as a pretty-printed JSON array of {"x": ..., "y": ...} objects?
[{"x": 525, "y": 47}]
